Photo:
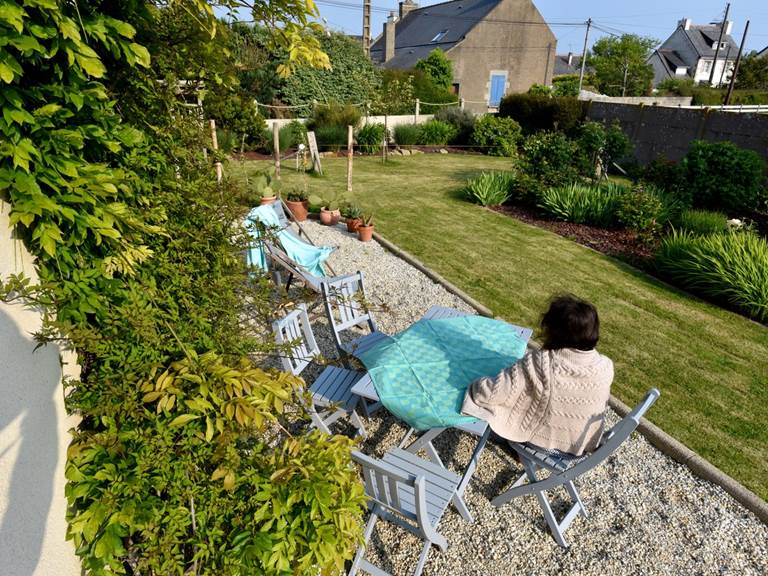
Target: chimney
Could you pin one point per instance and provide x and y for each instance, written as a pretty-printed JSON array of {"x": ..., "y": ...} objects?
[
  {"x": 728, "y": 26},
  {"x": 685, "y": 23},
  {"x": 406, "y": 7},
  {"x": 570, "y": 58},
  {"x": 389, "y": 37}
]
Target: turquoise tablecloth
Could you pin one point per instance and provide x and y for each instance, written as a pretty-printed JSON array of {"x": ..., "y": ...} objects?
[{"x": 422, "y": 373}]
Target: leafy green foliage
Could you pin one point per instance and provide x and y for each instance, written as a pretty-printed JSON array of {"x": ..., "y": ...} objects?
[
  {"x": 641, "y": 210},
  {"x": 730, "y": 268},
  {"x": 552, "y": 158},
  {"x": 701, "y": 222},
  {"x": 407, "y": 134},
  {"x": 753, "y": 73},
  {"x": 540, "y": 90},
  {"x": 396, "y": 95},
  {"x": 437, "y": 68},
  {"x": 581, "y": 204},
  {"x": 722, "y": 175},
  {"x": 621, "y": 64},
  {"x": 669, "y": 176},
  {"x": 601, "y": 145},
  {"x": 334, "y": 114},
  {"x": 537, "y": 113},
  {"x": 238, "y": 115},
  {"x": 436, "y": 133},
  {"x": 352, "y": 78},
  {"x": 331, "y": 137},
  {"x": 496, "y": 135},
  {"x": 181, "y": 461},
  {"x": 566, "y": 85},
  {"x": 370, "y": 138},
  {"x": 430, "y": 93},
  {"x": 461, "y": 119},
  {"x": 490, "y": 188}
]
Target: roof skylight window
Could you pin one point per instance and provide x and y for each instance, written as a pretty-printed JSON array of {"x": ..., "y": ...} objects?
[{"x": 439, "y": 36}]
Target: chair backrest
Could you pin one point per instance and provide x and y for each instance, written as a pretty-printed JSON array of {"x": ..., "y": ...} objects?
[
  {"x": 383, "y": 485},
  {"x": 295, "y": 329},
  {"x": 345, "y": 304}
]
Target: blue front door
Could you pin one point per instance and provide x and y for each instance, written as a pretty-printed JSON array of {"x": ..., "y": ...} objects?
[{"x": 498, "y": 82}]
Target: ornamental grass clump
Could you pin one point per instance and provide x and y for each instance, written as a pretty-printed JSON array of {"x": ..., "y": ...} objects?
[
  {"x": 731, "y": 267},
  {"x": 701, "y": 222},
  {"x": 490, "y": 188},
  {"x": 582, "y": 204}
]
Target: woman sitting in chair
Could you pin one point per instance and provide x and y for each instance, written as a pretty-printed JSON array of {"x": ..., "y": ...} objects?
[{"x": 554, "y": 397}]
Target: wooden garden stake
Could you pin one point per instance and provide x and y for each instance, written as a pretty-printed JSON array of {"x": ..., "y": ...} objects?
[
  {"x": 276, "y": 146},
  {"x": 215, "y": 140},
  {"x": 349, "y": 158}
]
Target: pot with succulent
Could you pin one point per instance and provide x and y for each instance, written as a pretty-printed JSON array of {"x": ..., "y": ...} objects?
[
  {"x": 329, "y": 208},
  {"x": 263, "y": 185},
  {"x": 365, "y": 229},
  {"x": 353, "y": 216},
  {"x": 297, "y": 203}
]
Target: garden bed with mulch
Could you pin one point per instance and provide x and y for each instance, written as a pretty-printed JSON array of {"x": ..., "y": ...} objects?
[{"x": 621, "y": 244}]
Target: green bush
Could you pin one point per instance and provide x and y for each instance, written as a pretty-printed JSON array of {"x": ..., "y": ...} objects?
[
  {"x": 567, "y": 85},
  {"x": 490, "y": 188},
  {"x": 407, "y": 134},
  {"x": 582, "y": 204},
  {"x": 462, "y": 120},
  {"x": 535, "y": 113},
  {"x": 333, "y": 114},
  {"x": 552, "y": 157},
  {"x": 642, "y": 211},
  {"x": 237, "y": 114},
  {"x": 667, "y": 175},
  {"x": 290, "y": 136},
  {"x": 723, "y": 176},
  {"x": 730, "y": 267},
  {"x": 497, "y": 136},
  {"x": 525, "y": 190},
  {"x": 436, "y": 133},
  {"x": 370, "y": 138},
  {"x": 331, "y": 137},
  {"x": 702, "y": 222}
]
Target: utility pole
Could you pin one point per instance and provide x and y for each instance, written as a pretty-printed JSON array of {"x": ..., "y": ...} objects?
[
  {"x": 719, "y": 41},
  {"x": 736, "y": 66},
  {"x": 624, "y": 84},
  {"x": 584, "y": 55},
  {"x": 367, "y": 27}
]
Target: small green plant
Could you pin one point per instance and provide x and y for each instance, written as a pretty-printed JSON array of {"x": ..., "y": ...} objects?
[
  {"x": 331, "y": 137},
  {"x": 462, "y": 120},
  {"x": 436, "y": 133},
  {"x": 370, "y": 138},
  {"x": 334, "y": 114},
  {"x": 367, "y": 220},
  {"x": 552, "y": 157},
  {"x": 702, "y": 222},
  {"x": 490, "y": 188},
  {"x": 582, "y": 204},
  {"x": 731, "y": 267},
  {"x": 263, "y": 183},
  {"x": 497, "y": 136},
  {"x": 641, "y": 210},
  {"x": 331, "y": 202},
  {"x": 353, "y": 211},
  {"x": 407, "y": 134},
  {"x": 297, "y": 194}
]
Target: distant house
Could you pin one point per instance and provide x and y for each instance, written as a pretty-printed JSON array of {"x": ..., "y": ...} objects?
[
  {"x": 566, "y": 64},
  {"x": 496, "y": 46},
  {"x": 690, "y": 53}
]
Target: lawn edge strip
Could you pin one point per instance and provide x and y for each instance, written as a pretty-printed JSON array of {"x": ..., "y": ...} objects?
[{"x": 656, "y": 436}]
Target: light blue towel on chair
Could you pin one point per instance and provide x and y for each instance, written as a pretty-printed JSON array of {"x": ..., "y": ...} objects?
[{"x": 308, "y": 257}]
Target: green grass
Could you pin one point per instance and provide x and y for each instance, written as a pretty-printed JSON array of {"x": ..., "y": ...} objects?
[{"x": 710, "y": 365}]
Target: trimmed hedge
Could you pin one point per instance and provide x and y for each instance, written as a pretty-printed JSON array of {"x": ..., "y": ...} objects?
[{"x": 535, "y": 112}]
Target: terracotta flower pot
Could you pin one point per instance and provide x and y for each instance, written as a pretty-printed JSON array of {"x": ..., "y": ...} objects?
[
  {"x": 365, "y": 233},
  {"x": 298, "y": 209},
  {"x": 329, "y": 217},
  {"x": 352, "y": 224},
  {"x": 269, "y": 200}
]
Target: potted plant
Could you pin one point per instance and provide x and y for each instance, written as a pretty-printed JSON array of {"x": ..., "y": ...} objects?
[
  {"x": 297, "y": 203},
  {"x": 365, "y": 229},
  {"x": 329, "y": 209},
  {"x": 263, "y": 184},
  {"x": 353, "y": 216}
]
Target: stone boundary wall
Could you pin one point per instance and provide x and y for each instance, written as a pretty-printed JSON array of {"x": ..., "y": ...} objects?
[
  {"x": 667, "y": 101},
  {"x": 657, "y": 131}
]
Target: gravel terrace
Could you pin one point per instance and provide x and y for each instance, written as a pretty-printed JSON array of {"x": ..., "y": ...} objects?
[{"x": 647, "y": 513}]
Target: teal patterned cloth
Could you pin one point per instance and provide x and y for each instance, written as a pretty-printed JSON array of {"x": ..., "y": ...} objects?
[{"x": 422, "y": 373}]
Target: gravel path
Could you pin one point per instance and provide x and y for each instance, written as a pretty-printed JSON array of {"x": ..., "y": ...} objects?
[{"x": 648, "y": 514}]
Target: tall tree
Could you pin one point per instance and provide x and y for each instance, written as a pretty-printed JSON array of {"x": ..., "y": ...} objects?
[
  {"x": 753, "y": 73},
  {"x": 437, "y": 68},
  {"x": 621, "y": 65}
]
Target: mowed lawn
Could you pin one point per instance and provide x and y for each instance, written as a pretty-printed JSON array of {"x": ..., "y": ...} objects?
[{"x": 710, "y": 365}]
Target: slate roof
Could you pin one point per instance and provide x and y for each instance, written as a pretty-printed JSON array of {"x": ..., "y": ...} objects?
[
  {"x": 414, "y": 33},
  {"x": 562, "y": 67},
  {"x": 703, "y": 36},
  {"x": 673, "y": 59}
]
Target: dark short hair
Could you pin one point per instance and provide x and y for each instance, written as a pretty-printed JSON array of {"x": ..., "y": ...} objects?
[{"x": 570, "y": 323}]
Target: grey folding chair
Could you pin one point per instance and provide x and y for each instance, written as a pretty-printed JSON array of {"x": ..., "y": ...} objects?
[
  {"x": 565, "y": 468},
  {"x": 408, "y": 491},
  {"x": 332, "y": 390},
  {"x": 346, "y": 308}
]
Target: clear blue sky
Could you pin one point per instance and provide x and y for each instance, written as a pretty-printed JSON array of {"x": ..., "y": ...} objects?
[{"x": 654, "y": 18}]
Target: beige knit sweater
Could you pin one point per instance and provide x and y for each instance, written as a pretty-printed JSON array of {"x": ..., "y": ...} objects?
[{"x": 550, "y": 398}]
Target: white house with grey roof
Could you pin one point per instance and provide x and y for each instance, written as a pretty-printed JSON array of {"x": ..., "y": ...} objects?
[
  {"x": 496, "y": 46},
  {"x": 690, "y": 53}
]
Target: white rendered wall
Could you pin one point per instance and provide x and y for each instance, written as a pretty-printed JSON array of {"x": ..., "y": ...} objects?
[{"x": 33, "y": 435}]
